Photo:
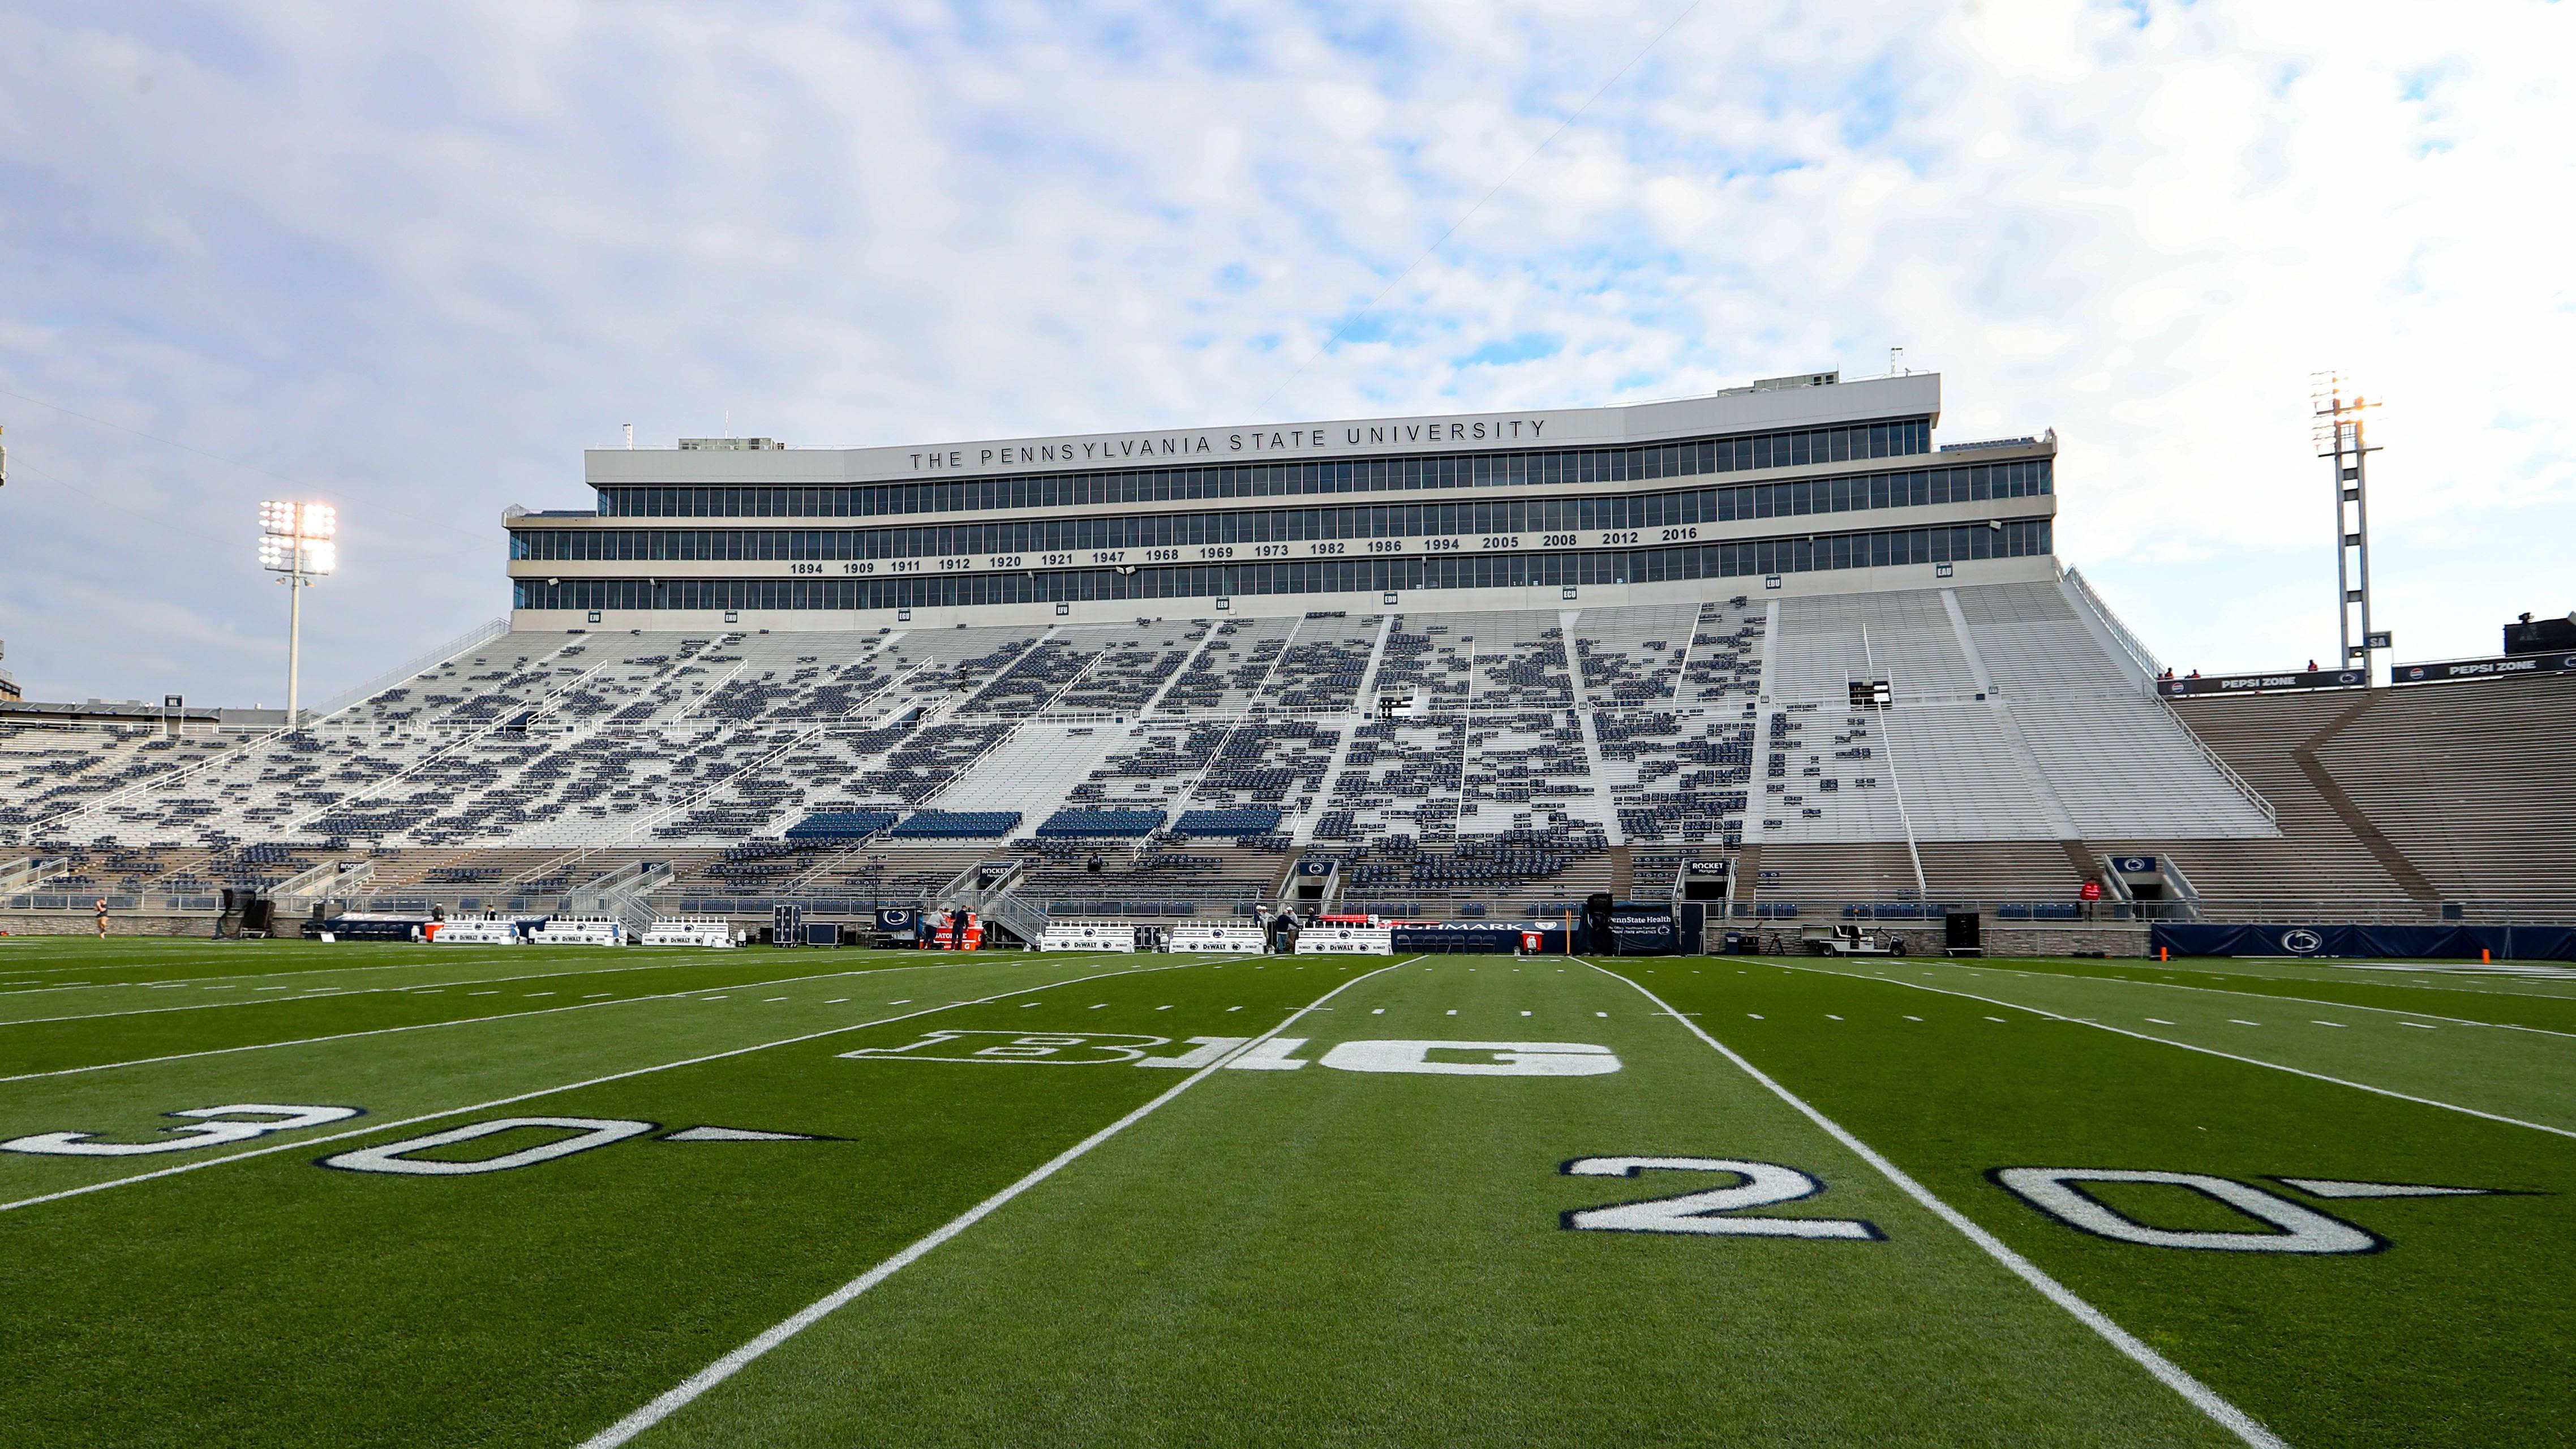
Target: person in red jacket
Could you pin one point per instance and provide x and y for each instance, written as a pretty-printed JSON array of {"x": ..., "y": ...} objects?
[{"x": 2091, "y": 895}]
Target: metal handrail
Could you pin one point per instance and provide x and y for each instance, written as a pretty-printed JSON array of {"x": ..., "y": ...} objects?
[
  {"x": 2139, "y": 653},
  {"x": 483, "y": 633}
]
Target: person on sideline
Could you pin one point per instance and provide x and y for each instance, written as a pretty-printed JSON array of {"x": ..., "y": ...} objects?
[{"x": 102, "y": 918}]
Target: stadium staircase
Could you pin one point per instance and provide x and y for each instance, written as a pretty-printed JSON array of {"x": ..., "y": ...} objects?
[
  {"x": 2454, "y": 795},
  {"x": 2472, "y": 784},
  {"x": 2372, "y": 838}
]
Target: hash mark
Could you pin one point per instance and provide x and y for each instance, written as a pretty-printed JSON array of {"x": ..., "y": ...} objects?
[
  {"x": 2419, "y": 1025},
  {"x": 2314, "y": 1021},
  {"x": 2160, "y": 1021},
  {"x": 2240, "y": 1021}
]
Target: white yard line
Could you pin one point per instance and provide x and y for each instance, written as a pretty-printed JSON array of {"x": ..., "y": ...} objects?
[
  {"x": 304, "y": 1142},
  {"x": 349, "y": 992},
  {"x": 2205, "y": 1051},
  {"x": 2235, "y": 1420},
  {"x": 2307, "y": 1000},
  {"x": 726, "y": 1367},
  {"x": 413, "y": 965},
  {"x": 463, "y": 1020}
]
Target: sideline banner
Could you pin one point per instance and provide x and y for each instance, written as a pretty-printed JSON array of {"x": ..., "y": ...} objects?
[
  {"x": 2256, "y": 683},
  {"x": 1497, "y": 938},
  {"x": 1644, "y": 930},
  {"x": 2458, "y": 943},
  {"x": 1345, "y": 940},
  {"x": 2502, "y": 665}
]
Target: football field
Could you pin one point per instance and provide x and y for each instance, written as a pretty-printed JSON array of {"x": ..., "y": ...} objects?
[{"x": 291, "y": 1194}]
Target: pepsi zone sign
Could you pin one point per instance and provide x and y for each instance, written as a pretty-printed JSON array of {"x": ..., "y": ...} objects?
[
  {"x": 2251, "y": 683},
  {"x": 2484, "y": 668}
]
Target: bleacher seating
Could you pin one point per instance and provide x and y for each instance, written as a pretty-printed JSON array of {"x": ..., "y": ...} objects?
[
  {"x": 1442, "y": 756},
  {"x": 1226, "y": 822},
  {"x": 957, "y": 825},
  {"x": 2468, "y": 788},
  {"x": 2437, "y": 769},
  {"x": 1101, "y": 824},
  {"x": 840, "y": 825}
]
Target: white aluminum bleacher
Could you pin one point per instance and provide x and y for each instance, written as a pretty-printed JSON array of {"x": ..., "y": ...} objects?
[{"x": 1644, "y": 725}]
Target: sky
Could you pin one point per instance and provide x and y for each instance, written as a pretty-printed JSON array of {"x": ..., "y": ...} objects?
[{"x": 412, "y": 260}]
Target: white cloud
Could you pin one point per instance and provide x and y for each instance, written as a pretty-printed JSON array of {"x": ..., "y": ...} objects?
[{"x": 416, "y": 259}]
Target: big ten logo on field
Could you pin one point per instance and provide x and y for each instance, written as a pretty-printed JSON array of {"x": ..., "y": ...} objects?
[
  {"x": 1267, "y": 1054},
  {"x": 1043, "y": 1048}
]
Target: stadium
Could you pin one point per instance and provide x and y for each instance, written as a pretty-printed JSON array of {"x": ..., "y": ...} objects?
[
  {"x": 1777, "y": 637},
  {"x": 1974, "y": 1029}
]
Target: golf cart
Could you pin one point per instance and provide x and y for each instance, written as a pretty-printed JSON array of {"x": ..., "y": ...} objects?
[{"x": 1852, "y": 941}]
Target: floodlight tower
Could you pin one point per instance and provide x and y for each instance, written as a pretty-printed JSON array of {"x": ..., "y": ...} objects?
[
  {"x": 2338, "y": 435},
  {"x": 295, "y": 541}
]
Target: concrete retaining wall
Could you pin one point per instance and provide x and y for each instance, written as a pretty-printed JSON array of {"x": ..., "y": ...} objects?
[
  {"x": 2109, "y": 938},
  {"x": 82, "y": 923}
]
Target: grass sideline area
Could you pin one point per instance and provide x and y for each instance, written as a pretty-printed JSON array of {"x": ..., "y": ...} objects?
[{"x": 386, "y": 1194}]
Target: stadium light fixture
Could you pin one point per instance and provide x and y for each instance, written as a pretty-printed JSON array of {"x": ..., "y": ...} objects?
[
  {"x": 2340, "y": 437},
  {"x": 297, "y": 541}
]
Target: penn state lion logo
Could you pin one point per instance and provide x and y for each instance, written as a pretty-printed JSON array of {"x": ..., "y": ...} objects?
[{"x": 2302, "y": 942}]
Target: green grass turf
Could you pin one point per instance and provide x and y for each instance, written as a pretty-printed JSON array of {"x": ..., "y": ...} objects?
[
  {"x": 223, "y": 1306},
  {"x": 1313, "y": 1256},
  {"x": 2542, "y": 1004},
  {"x": 2458, "y": 1333},
  {"x": 2511, "y": 1071},
  {"x": 1323, "y": 1257},
  {"x": 96, "y": 1031}
]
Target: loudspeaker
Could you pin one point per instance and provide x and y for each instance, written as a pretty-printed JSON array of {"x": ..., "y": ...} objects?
[{"x": 1965, "y": 930}]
